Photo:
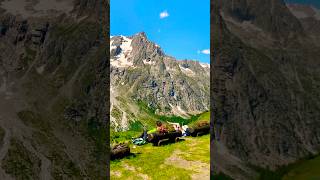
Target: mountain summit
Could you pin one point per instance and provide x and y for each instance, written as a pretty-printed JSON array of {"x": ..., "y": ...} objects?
[{"x": 142, "y": 74}]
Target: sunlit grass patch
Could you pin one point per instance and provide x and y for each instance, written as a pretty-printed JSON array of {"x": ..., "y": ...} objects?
[
  {"x": 309, "y": 169},
  {"x": 149, "y": 161},
  {"x": 198, "y": 149}
]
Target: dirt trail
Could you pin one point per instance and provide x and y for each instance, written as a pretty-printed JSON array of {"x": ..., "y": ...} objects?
[
  {"x": 202, "y": 169},
  {"x": 131, "y": 168}
]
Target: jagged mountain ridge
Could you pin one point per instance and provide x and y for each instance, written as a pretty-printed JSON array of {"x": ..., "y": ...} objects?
[
  {"x": 265, "y": 87},
  {"x": 140, "y": 71}
]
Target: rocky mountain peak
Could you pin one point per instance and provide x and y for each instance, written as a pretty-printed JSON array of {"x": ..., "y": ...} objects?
[
  {"x": 136, "y": 50},
  {"x": 142, "y": 73},
  {"x": 141, "y": 35}
]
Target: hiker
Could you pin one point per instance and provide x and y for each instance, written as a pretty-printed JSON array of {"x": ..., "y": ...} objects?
[
  {"x": 143, "y": 138},
  {"x": 144, "y": 135},
  {"x": 184, "y": 129},
  {"x": 161, "y": 127},
  {"x": 176, "y": 126}
]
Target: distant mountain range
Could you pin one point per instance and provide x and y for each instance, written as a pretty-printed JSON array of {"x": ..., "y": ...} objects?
[{"x": 142, "y": 74}]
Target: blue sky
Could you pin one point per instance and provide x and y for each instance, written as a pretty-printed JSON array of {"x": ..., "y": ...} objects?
[
  {"x": 315, "y": 3},
  {"x": 180, "y": 27}
]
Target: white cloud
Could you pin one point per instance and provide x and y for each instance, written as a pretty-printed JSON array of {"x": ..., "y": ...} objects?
[
  {"x": 164, "y": 14},
  {"x": 205, "y": 51}
]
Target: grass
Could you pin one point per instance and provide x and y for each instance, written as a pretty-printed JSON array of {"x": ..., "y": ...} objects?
[
  {"x": 309, "y": 170},
  {"x": 306, "y": 169},
  {"x": 150, "y": 160},
  {"x": 220, "y": 176},
  {"x": 178, "y": 119},
  {"x": 202, "y": 117},
  {"x": 119, "y": 137},
  {"x": 150, "y": 117},
  {"x": 136, "y": 128},
  {"x": 200, "y": 149},
  {"x": 266, "y": 174},
  {"x": 143, "y": 106}
]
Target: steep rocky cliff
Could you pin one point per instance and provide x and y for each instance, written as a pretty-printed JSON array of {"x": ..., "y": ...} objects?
[
  {"x": 142, "y": 74},
  {"x": 265, "y": 87},
  {"x": 53, "y": 98}
]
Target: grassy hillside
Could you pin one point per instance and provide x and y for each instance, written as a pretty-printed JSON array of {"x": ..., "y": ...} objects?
[
  {"x": 136, "y": 128},
  {"x": 187, "y": 159},
  {"x": 304, "y": 169},
  {"x": 309, "y": 169}
]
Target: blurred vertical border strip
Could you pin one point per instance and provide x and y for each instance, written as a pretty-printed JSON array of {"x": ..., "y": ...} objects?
[
  {"x": 211, "y": 89},
  {"x": 215, "y": 45},
  {"x": 105, "y": 39}
]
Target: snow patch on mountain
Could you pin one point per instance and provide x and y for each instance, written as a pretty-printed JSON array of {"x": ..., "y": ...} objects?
[
  {"x": 123, "y": 59},
  {"x": 187, "y": 71},
  {"x": 205, "y": 65}
]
